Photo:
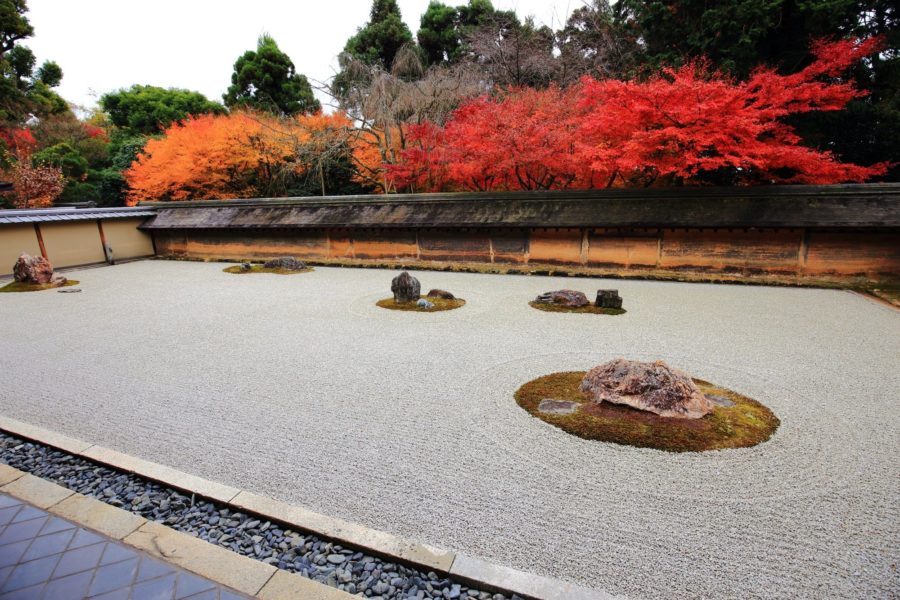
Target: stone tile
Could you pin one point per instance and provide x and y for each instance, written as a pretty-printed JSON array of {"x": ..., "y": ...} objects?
[
  {"x": 112, "y": 577},
  {"x": 36, "y": 491},
  {"x": 150, "y": 568},
  {"x": 47, "y": 545},
  {"x": 26, "y": 530},
  {"x": 26, "y": 513},
  {"x": 115, "y": 553},
  {"x": 84, "y": 538},
  {"x": 160, "y": 588},
  {"x": 56, "y": 524},
  {"x": 89, "y": 512},
  {"x": 238, "y": 572},
  {"x": 4, "y": 573},
  {"x": 79, "y": 559},
  {"x": 119, "y": 594},
  {"x": 210, "y": 595},
  {"x": 68, "y": 588},
  {"x": 7, "y": 501},
  {"x": 11, "y": 553},
  {"x": 8, "y": 514},
  {"x": 287, "y": 586},
  {"x": 30, "y": 573},
  {"x": 188, "y": 585},
  {"x": 29, "y": 593}
]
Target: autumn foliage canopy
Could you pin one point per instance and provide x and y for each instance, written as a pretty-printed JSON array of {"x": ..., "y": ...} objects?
[
  {"x": 685, "y": 125},
  {"x": 241, "y": 154}
]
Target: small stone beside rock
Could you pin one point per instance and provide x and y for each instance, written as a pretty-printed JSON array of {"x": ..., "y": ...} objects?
[
  {"x": 423, "y": 303},
  {"x": 608, "y": 299},
  {"x": 568, "y": 298},
  {"x": 443, "y": 294},
  {"x": 405, "y": 288},
  {"x": 246, "y": 267},
  {"x": 552, "y": 406}
]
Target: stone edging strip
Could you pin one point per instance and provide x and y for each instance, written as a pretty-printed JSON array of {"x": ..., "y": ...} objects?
[
  {"x": 207, "y": 560},
  {"x": 239, "y": 572}
]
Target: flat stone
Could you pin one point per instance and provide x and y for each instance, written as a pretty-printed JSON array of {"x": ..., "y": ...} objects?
[
  {"x": 287, "y": 586},
  {"x": 9, "y": 474},
  {"x": 288, "y": 263},
  {"x": 519, "y": 582},
  {"x": 373, "y": 540},
  {"x": 720, "y": 400},
  {"x": 213, "y": 562},
  {"x": 557, "y": 407},
  {"x": 44, "y": 436},
  {"x": 444, "y": 294},
  {"x": 99, "y": 516},
  {"x": 37, "y": 491}
]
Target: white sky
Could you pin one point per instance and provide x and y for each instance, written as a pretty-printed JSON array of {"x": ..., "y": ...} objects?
[{"x": 103, "y": 45}]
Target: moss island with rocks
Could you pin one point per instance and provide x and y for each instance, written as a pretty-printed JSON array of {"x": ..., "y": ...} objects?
[{"x": 709, "y": 418}]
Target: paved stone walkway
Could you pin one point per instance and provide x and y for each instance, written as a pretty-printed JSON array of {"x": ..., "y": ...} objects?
[{"x": 44, "y": 557}]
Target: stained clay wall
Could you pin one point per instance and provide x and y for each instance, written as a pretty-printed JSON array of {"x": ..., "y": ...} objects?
[{"x": 776, "y": 251}]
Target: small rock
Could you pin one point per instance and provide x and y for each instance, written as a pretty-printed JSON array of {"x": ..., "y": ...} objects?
[
  {"x": 246, "y": 267},
  {"x": 337, "y": 559},
  {"x": 557, "y": 407},
  {"x": 70, "y": 291},
  {"x": 423, "y": 303},
  {"x": 440, "y": 294},
  {"x": 608, "y": 299}
]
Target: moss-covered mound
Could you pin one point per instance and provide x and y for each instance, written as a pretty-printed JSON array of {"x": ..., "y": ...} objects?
[
  {"x": 742, "y": 424},
  {"x": 439, "y": 304},
  {"x": 261, "y": 269},
  {"x": 17, "y": 286},
  {"x": 590, "y": 309}
]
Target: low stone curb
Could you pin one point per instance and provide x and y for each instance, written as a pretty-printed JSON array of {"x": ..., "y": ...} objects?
[{"x": 231, "y": 569}]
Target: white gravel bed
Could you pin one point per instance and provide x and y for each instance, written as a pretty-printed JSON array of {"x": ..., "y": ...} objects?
[{"x": 300, "y": 388}]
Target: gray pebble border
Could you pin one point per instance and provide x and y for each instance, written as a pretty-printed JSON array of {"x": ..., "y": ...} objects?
[{"x": 245, "y": 533}]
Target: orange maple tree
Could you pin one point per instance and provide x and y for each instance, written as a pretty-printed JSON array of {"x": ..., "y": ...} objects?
[
  {"x": 685, "y": 125},
  {"x": 242, "y": 154}
]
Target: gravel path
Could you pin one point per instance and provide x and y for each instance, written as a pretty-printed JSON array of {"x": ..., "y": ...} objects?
[{"x": 298, "y": 387}]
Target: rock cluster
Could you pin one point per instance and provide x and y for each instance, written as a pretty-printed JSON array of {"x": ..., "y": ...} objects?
[
  {"x": 569, "y": 298},
  {"x": 269, "y": 542},
  {"x": 36, "y": 270},
  {"x": 405, "y": 288},
  {"x": 288, "y": 263},
  {"x": 653, "y": 387},
  {"x": 608, "y": 299}
]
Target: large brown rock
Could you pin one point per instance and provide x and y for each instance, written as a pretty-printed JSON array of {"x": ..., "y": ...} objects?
[
  {"x": 405, "y": 288},
  {"x": 653, "y": 387},
  {"x": 32, "y": 269},
  {"x": 569, "y": 298}
]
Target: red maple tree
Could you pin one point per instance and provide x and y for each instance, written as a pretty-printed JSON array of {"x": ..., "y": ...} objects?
[{"x": 684, "y": 125}]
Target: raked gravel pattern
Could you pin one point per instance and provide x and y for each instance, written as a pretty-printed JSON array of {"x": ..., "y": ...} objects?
[{"x": 301, "y": 389}]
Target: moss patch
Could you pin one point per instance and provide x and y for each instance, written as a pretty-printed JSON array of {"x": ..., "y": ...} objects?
[
  {"x": 439, "y": 304},
  {"x": 590, "y": 309},
  {"x": 236, "y": 269},
  {"x": 745, "y": 424},
  {"x": 18, "y": 286}
]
